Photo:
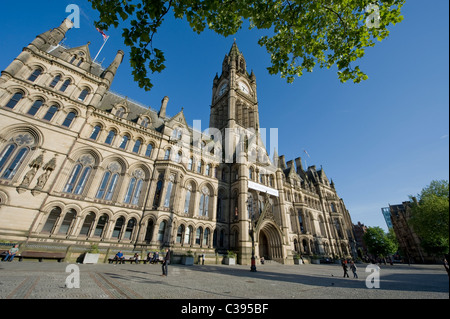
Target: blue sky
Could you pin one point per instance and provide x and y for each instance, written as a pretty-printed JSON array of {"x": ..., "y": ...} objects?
[{"x": 380, "y": 140}]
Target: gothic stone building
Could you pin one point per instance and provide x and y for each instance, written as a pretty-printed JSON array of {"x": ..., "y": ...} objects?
[{"x": 81, "y": 165}]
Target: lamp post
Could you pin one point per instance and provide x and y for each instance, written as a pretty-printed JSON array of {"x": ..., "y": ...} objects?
[{"x": 252, "y": 235}]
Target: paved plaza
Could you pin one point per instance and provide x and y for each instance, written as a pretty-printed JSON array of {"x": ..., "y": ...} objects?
[{"x": 52, "y": 280}]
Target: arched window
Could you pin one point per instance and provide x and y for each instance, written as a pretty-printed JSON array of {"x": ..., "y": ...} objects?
[
  {"x": 14, "y": 153},
  {"x": 204, "y": 202},
  {"x": 129, "y": 229},
  {"x": 149, "y": 231},
  {"x": 199, "y": 166},
  {"x": 187, "y": 201},
  {"x": 67, "y": 222},
  {"x": 80, "y": 174},
  {"x": 83, "y": 94},
  {"x": 157, "y": 198},
  {"x": 101, "y": 224},
  {"x": 167, "y": 154},
  {"x": 69, "y": 119},
  {"x": 50, "y": 112},
  {"x": 124, "y": 142},
  {"x": 198, "y": 236},
  {"x": 221, "y": 238},
  {"x": 35, "y": 75},
  {"x": 95, "y": 132},
  {"x": 35, "y": 107},
  {"x": 148, "y": 151},
  {"x": 80, "y": 61},
  {"x": 191, "y": 164},
  {"x": 51, "y": 220},
  {"x": 161, "y": 231},
  {"x": 73, "y": 59},
  {"x": 137, "y": 146},
  {"x": 55, "y": 81},
  {"x": 135, "y": 187},
  {"x": 109, "y": 181},
  {"x": 208, "y": 170},
  {"x": 187, "y": 235},
  {"x": 65, "y": 85},
  {"x": 110, "y": 137},
  {"x": 118, "y": 227},
  {"x": 87, "y": 224},
  {"x": 14, "y": 100},
  {"x": 167, "y": 199},
  {"x": 180, "y": 232},
  {"x": 250, "y": 173},
  {"x": 178, "y": 157},
  {"x": 206, "y": 237}
]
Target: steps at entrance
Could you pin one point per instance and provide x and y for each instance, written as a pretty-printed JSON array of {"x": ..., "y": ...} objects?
[{"x": 271, "y": 262}]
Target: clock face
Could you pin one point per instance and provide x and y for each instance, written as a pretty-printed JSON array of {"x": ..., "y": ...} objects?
[
  {"x": 243, "y": 87},
  {"x": 222, "y": 89}
]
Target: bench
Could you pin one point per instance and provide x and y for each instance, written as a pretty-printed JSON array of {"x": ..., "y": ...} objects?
[
  {"x": 3, "y": 254},
  {"x": 40, "y": 255},
  {"x": 131, "y": 260}
]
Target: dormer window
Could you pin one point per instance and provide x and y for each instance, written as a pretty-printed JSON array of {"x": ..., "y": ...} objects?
[{"x": 120, "y": 112}]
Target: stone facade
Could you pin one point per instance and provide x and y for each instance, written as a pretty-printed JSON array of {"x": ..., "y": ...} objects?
[{"x": 80, "y": 164}]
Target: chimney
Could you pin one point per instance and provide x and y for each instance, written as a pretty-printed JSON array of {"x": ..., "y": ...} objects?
[{"x": 162, "y": 111}]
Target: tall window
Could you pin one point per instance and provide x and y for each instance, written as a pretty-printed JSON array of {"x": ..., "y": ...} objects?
[
  {"x": 137, "y": 146},
  {"x": 51, "y": 220},
  {"x": 167, "y": 199},
  {"x": 83, "y": 95},
  {"x": 148, "y": 151},
  {"x": 118, "y": 227},
  {"x": 35, "y": 107},
  {"x": 187, "y": 201},
  {"x": 198, "y": 236},
  {"x": 55, "y": 81},
  {"x": 187, "y": 235},
  {"x": 199, "y": 166},
  {"x": 87, "y": 224},
  {"x": 204, "y": 202},
  {"x": 167, "y": 154},
  {"x": 110, "y": 137},
  {"x": 135, "y": 187},
  {"x": 124, "y": 142},
  {"x": 14, "y": 100},
  {"x": 34, "y": 75},
  {"x": 180, "y": 231},
  {"x": 191, "y": 163},
  {"x": 120, "y": 112},
  {"x": 95, "y": 132},
  {"x": 14, "y": 153},
  {"x": 69, "y": 119},
  {"x": 101, "y": 224},
  {"x": 208, "y": 170},
  {"x": 80, "y": 174},
  {"x": 109, "y": 181},
  {"x": 157, "y": 198},
  {"x": 161, "y": 231},
  {"x": 65, "y": 85},
  {"x": 50, "y": 113},
  {"x": 206, "y": 237},
  {"x": 67, "y": 222},
  {"x": 129, "y": 229}
]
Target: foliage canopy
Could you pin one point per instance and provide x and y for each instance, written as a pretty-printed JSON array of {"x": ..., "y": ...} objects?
[{"x": 301, "y": 33}]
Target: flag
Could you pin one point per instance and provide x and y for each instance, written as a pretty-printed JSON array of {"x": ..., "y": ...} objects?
[
  {"x": 103, "y": 34},
  {"x": 306, "y": 153}
]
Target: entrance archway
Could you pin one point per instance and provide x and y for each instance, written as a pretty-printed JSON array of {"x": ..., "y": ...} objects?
[{"x": 270, "y": 243}]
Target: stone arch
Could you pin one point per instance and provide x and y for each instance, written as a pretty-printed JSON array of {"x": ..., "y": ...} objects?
[{"x": 270, "y": 242}]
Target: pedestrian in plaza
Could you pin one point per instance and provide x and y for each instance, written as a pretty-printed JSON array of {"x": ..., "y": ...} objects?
[
  {"x": 11, "y": 253},
  {"x": 155, "y": 257},
  {"x": 353, "y": 268},
  {"x": 136, "y": 258},
  {"x": 166, "y": 263},
  {"x": 345, "y": 267},
  {"x": 446, "y": 264}
]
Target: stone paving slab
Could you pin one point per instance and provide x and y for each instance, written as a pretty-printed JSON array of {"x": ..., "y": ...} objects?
[{"x": 34, "y": 280}]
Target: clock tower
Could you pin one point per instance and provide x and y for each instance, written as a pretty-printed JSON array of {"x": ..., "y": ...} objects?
[{"x": 234, "y": 101}]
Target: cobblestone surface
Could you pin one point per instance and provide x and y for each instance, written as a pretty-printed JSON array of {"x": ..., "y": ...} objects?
[{"x": 47, "y": 280}]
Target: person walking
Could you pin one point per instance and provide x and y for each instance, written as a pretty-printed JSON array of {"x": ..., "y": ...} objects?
[
  {"x": 345, "y": 267},
  {"x": 166, "y": 263},
  {"x": 353, "y": 268}
]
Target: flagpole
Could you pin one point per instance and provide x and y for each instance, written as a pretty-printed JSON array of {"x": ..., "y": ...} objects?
[{"x": 104, "y": 42}]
